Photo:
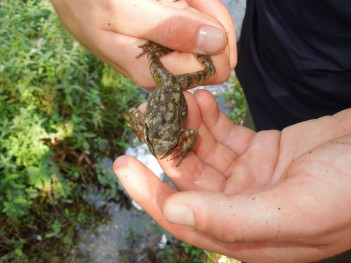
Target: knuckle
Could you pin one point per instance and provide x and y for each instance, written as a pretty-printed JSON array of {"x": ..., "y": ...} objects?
[{"x": 176, "y": 35}]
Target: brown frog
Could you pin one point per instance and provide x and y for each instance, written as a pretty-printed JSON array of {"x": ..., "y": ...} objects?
[{"x": 161, "y": 126}]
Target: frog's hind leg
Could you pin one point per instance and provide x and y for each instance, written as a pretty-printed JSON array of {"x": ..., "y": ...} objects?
[
  {"x": 198, "y": 77},
  {"x": 136, "y": 123},
  {"x": 154, "y": 51}
]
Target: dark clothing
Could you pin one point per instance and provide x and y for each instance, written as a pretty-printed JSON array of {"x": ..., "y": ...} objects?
[{"x": 295, "y": 60}]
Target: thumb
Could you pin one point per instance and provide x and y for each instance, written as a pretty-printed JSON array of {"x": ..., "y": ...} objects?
[
  {"x": 176, "y": 27},
  {"x": 260, "y": 217}
]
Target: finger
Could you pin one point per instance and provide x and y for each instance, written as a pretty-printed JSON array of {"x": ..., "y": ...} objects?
[
  {"x": 150, "y": 193},
  {"x": 255, "y": 169},
  {"x": 192, "y": 173},
  {"x": 235, "y": 137},
  {"x": 210, "y": 151},
  {"x": 242, "y": 229},
  {"x": 332, "y": 127},
  {"x": 217, "y": 10},
  {"x": 179, "y": 29},
  {"x": 142, "y": 185},
  {"x": 262, "y": 217}
]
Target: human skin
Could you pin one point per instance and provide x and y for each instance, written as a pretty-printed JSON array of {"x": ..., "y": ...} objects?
[
  {"x": 113, "y": 29},
  {"x": 260, "y": 197}
]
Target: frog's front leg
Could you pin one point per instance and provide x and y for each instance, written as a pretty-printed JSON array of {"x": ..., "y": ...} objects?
[
  {"x": 136, "y": 122},
  {"x": 185, "y": 145}
]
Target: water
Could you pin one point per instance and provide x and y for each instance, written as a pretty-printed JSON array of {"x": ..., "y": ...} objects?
[{"x": 131, "y": 235}]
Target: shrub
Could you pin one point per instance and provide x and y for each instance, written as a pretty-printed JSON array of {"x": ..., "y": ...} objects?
[
  {"x": 236, "y": 97},
  {"x": 61, "y": 114}
]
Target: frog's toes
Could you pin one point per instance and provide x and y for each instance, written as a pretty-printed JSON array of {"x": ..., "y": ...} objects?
[{"x": 185, "y": 145}]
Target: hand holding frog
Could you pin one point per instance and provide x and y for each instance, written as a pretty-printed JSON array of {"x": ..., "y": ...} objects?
[
  {"x": 112, "y": 30},
  {"x": 261, "y": 197}
]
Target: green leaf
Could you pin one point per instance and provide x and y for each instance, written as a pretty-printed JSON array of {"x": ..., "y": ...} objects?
[
  {"x": 56, "y": 227},
  {"x": 19, "y": 251}
]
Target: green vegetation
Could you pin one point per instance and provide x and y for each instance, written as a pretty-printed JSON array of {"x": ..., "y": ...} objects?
[
  {"x": 236, "y": 97},
  {"x": 61, "y": 114}
]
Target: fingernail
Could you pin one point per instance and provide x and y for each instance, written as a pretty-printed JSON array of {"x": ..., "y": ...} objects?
[
  {"x": 210, "y": 39},
  {"x": 179, "y": 214}
]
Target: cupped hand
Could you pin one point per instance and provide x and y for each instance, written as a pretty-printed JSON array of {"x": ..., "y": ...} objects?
[
  {"x": 260, "y": 197},
  {"x": 112, "y": 30}
]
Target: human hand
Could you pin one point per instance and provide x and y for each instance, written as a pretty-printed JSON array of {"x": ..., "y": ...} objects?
[
  {"x": 112, "y": 30},
  {"x": 260, "y": 197}
]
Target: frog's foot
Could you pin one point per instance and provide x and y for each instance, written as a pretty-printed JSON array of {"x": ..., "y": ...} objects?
[
  {"x": 154, "y": 48},
  {"x": 136, "y": 123},
  {"x": 146, "y": 47},
  {"x": 186, "y": 144}
]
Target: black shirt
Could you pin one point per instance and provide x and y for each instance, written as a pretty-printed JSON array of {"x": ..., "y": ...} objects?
[{"x": 295, "y": 60}]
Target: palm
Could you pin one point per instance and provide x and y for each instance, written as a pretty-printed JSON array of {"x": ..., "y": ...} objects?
[
  {"x": 234, "y": 159},
  {"x": 277, "y": 191}
]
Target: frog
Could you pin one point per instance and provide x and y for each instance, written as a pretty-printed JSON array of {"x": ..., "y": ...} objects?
[{"x": 161, "y": 126}]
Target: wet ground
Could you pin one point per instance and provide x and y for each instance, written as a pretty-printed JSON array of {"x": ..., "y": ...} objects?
[
  {"x": 128, "y": 236},
  {"x": 131, "y": 235}
]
